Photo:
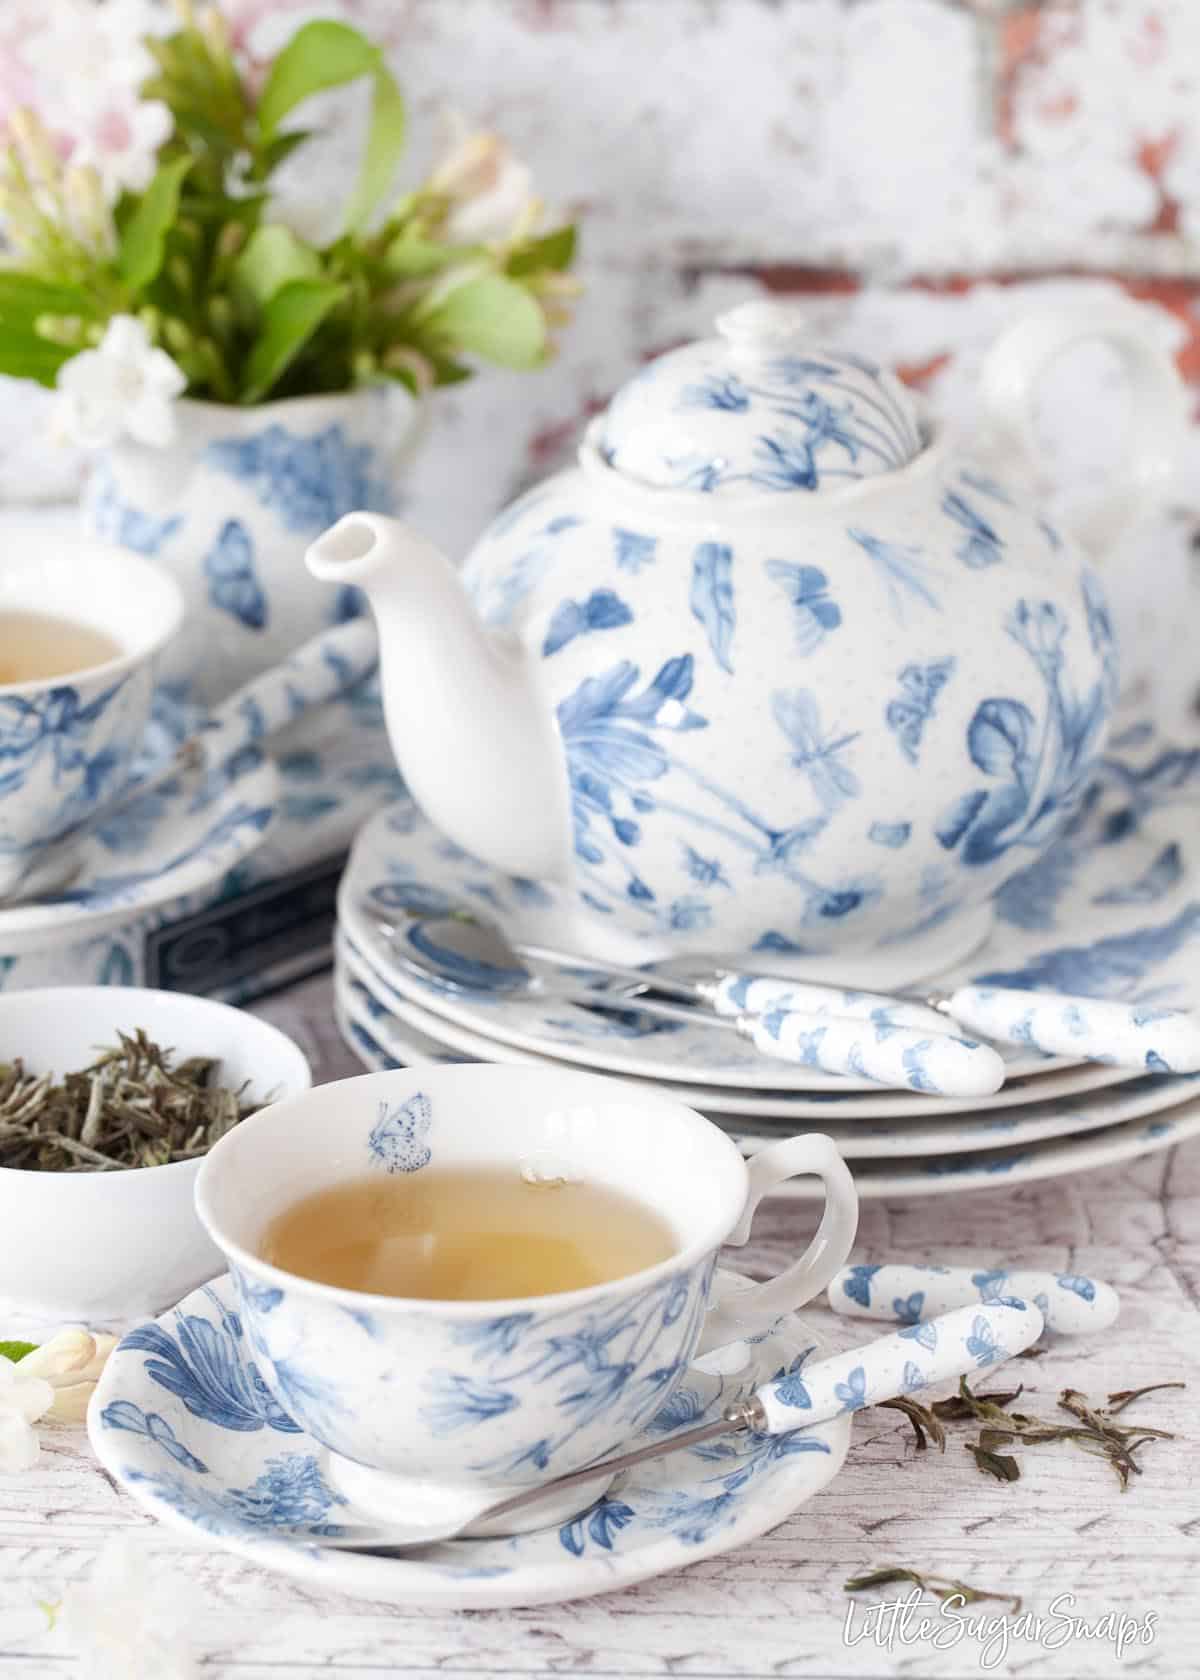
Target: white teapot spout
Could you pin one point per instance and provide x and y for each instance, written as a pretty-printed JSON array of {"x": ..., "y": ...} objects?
[{"x": 473, "y": 734}]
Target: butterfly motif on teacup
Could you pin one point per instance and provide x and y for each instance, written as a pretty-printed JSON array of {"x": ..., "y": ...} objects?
[
  {"x": 814, "y": 613},
  {"x": 397, "y": 1141},
  {"x": 912, "y": 709},
  {"x": 232, "y": 579}
]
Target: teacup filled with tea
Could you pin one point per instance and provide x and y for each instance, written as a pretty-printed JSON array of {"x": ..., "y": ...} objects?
[
  {"x": 480, "y": 1277},
  {"x": 81, "y": 626}
]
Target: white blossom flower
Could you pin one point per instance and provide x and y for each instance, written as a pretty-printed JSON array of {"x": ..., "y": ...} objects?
[
  {"x": 121, "y": 145},
  {"x": 87, "y": 63},
  {"x": 124, "y": 385},
  {"x": 128, "y": 1618},
  {"x": 23, "y": 1400},
  {"x": 489, "y": 188}
]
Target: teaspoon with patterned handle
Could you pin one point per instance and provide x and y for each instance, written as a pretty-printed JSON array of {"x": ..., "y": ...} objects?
[
  {"x": 459, "y": 955},
  {"x": 968, "y": 1339}
]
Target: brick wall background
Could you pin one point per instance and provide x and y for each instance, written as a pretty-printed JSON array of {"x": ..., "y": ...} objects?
[{"x": 918, "y": 171}]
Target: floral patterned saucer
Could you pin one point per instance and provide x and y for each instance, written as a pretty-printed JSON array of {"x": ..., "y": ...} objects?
[
  {"x": 369, "y": 1027},
  {"x": 1112, "y": 910},
  {"x": 175, "y": 840},
  {"x": 183, "y": 1421}
]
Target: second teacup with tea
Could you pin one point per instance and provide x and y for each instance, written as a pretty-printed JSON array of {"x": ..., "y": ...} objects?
[
  {"x": 81, "y": 627},
  {"x": 478, "y": 1278}
]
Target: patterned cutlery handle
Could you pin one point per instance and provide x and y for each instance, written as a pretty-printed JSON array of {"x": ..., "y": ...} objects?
[
  {"x": 1069, "y": 1304},
  {"x": 756, "y": 994},
  {"x": 1091, "y": 1029},
  {"x": 326, "y": 666},
  {"x": 934, "y": 1063},
  {"x": 970, "y": 1339}
]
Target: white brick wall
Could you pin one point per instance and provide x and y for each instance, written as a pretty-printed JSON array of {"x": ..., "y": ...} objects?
[{"x": 888, "y": 159}]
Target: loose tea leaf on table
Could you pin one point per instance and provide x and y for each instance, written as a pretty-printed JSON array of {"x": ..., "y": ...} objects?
[
  {"x": 941, "y": 1586},
  {"x": 130, "y": 1108},
  {"x": 1094, "y": 1431}
]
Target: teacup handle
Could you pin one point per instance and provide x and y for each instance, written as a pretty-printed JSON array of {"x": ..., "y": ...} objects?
[
  {"x": 759, "y": 1308},
  {"x": 1014, "y": 367}
]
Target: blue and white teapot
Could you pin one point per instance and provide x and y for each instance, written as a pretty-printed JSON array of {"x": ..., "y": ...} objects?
[{"x": 773, "y": 669}]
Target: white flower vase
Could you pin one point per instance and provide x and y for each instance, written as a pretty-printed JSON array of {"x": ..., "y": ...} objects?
[{"x": 229, "y": 509}]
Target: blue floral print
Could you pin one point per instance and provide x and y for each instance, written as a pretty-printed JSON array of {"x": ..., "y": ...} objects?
[
  {"x": 712, "y": 598},
  {"x": 603, "y": 610},
  {"x": 311, "y": 481},
  {"x": 980, "y": 545},
  {"x": 1042, "y": 767}
]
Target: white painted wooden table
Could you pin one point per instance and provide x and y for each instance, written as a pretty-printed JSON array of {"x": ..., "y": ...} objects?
[{"x": 775, "y": 1607}]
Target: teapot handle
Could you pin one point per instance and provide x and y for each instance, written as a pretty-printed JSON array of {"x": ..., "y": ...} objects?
[{"x": 1013, "y": 368}]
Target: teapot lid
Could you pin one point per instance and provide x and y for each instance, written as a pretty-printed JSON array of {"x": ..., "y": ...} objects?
[{"x": 759, "y": 409}]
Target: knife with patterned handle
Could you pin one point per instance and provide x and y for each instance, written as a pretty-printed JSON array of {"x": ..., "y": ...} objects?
[
  {"x": 1088, "y": 1029},
  {"x": 1070, "y": 1304}
]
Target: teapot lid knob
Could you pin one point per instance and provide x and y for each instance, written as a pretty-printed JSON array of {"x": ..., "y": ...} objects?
[{"x": 764, "y": 325}]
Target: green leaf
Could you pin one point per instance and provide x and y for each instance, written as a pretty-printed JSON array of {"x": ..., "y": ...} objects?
[
  {"x": 552, "y": 250},
  {"x": 144, "y": 239},
  {"x": 281, "y": 147},
  {"x": 324, "y": 55},
  {"x": 410, "y": 257},
  {"x": 288, "y": 322},
  {"x": 26, "y": 296},
  {"x": 384, "y": 148},
  {"x": 16, "y": 1350},
  {"x": 321, "y": 55},
  {"x": 273, "y": 257},
  {"x": 23, "y": 355},
  {"x": 493, "y": 317}
]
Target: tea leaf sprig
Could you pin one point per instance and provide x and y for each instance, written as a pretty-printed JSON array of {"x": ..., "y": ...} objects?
[
  {"x": 245, "y": 305},
  {"x": 1095, "y": 1430},
  {"x": 130, "y": 1108},
  {"x": 943, "y": 1587}
]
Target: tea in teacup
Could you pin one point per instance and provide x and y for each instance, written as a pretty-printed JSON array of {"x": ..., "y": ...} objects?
[
  {"x": 467, "y": 1234},
  {"x": 36, "y": 646}
]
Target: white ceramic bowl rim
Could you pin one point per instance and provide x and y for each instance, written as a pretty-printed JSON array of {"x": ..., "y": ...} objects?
[
  {"x": 78, "y": 996},
  {"x": 427, "y": 1079},
  {"x": 132, "y": 571}
]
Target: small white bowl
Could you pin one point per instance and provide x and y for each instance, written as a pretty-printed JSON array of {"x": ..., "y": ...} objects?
[{"x": 105, "y": 1246}]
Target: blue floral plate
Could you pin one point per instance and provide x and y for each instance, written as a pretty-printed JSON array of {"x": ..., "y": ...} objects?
[
  {"x": 877, "y": 1138},
  {"x": 1111, "y": 910},
  {"x": 183, "y": 1421},
  {"x": 175, "y": 840}
]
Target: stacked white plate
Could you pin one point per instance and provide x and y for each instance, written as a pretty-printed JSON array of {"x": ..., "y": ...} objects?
[{"x": 1111, "y": 911}]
